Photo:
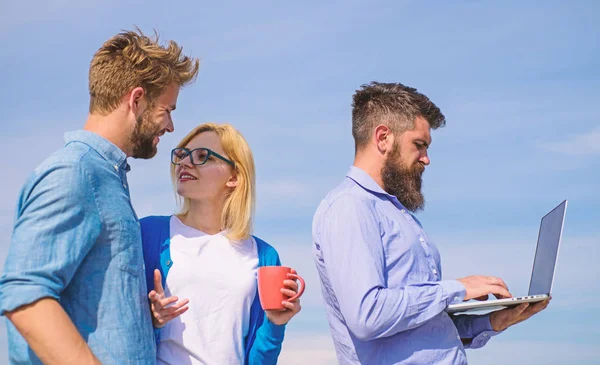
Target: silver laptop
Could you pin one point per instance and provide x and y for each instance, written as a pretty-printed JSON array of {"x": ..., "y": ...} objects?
[{"x": 544, "y": 265}]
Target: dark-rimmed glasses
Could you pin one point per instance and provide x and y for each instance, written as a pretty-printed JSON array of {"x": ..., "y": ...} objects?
[{"x": 198, "y": 156}]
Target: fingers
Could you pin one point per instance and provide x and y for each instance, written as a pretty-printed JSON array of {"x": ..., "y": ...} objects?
[
  {"x": 166, "y": 301},
  {"x": 292, "y": 288},
  {"x": 174, "y": 308},
  {"x": 499, "y": 287},
  {"x": 531, "y": 309},
  {"x": 164, "y": 318},
  {"x": 482, "y": 298},
  {"x": 538, "y": 307},
  {"x": 293, "y": 306},
  {"x": 499, "y": 291},
  {"x": 518, "y": 310},
  {"x": 480, "y": 286},
  {"x": 511, "y": 316},
  {"x": 497, "y": 281},
  {"x": 178, "y": 312},
  {"x": 292, "y": 284},
  {"x": 158, "y": 282},
  {"x": 163, "y": 315},
  {"x": 159, "y": 301},
  {"x": 289, "y": 293}
]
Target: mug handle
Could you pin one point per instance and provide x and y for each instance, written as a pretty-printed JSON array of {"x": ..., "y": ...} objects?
[{"x": 299, "y": 293}]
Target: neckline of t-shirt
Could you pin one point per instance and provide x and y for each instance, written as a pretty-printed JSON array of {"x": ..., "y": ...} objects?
[{"x": 196, "y": 231}]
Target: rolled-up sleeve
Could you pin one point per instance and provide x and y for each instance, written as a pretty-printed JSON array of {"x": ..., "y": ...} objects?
[
  {"x": 57, "y": 222},
  {"x": 351, "y": 244}
]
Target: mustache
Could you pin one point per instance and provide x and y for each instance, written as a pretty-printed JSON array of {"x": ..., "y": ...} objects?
[{"x": 419, "y": 168}]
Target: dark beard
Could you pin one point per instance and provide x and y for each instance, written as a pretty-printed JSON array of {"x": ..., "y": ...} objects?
[
  {"x": 142, "y": 137},
  {"x": 403, "y": 183}
]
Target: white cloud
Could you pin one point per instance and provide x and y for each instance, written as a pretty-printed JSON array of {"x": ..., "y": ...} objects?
[{"x": 583, "y": 144}]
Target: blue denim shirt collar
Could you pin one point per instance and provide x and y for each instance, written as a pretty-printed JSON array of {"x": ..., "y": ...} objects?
[{"x": 105, "y": 148}]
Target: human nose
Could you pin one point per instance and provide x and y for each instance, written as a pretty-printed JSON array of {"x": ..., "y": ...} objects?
[
  {"x": 170, "y": 127},
  {"x": 186, "y": 161},
  {"x": 425, "y": 158}
]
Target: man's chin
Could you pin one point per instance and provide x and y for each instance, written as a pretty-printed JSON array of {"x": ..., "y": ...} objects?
[
  {"x": 415, "y": 205},
  {"x": 146, "y": 155}
]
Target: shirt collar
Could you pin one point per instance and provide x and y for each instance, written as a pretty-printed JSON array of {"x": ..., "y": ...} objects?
[
  {"x": 105, "y": 148},
  {"x": 363, "y": 179}
]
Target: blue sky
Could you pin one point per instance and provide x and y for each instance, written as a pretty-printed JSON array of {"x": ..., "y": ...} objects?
[{"x": 518, "y": 83}]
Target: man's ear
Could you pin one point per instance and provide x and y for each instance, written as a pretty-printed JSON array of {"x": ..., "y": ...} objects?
[
  {"x": 136, "y": 101},
  {"x": 384, "y": 138},
  {"x": 233, "y": 181}
]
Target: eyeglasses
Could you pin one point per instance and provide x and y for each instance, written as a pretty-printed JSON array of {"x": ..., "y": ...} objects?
[{"x": 198, "y": 156}]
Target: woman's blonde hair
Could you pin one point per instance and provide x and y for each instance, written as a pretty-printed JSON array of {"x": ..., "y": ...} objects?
[{"x": 238, "y": 211}]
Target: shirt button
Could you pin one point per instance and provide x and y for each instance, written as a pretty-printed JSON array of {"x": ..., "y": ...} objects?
[
  {"x": 116, "y": 167},
  {"x": 434, "y": 271},
  {"x": 168, "y": 262},
  {"x": 485, "y": 335},
  {"x": 421, "y": 239},
  {"x": 125, "y": 186}
]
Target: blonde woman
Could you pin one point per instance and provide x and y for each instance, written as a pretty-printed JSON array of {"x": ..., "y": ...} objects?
[{"x": 207, "y": 255}]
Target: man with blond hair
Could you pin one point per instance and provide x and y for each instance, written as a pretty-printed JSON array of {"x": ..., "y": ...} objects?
[{"x": 73, "y": 286}]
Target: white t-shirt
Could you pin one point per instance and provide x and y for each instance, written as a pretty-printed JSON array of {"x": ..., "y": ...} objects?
[{"x": 219, "y": 278}]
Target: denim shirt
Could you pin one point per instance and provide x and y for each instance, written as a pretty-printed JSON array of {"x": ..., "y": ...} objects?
[
  {"x": 76, "y": 239},
  {"x": 382, "y": 282}
]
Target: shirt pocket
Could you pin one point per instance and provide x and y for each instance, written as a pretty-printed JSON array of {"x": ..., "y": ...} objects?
[{"x": 129, "y": 255}]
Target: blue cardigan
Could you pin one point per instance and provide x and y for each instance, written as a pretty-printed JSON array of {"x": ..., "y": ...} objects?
[{"x": 264, "y": 339}]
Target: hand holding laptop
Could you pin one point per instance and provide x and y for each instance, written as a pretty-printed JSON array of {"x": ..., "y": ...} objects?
[
  {"x": 505, "y": 318},
  {"x": 540, "y": 284}
]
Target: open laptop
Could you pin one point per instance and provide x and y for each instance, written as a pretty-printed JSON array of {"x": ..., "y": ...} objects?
[{"x": 544, "y": 265}]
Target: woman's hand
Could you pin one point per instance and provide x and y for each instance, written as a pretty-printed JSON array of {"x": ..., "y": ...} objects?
[
  {"x": 282, "y": 317},
  {"x": 162, "y": 308}
]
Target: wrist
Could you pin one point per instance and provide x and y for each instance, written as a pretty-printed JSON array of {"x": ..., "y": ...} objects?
[{"x": 276, "y": 321}]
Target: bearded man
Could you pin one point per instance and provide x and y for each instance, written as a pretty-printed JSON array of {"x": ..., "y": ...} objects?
[
  {"x": 381, "y": 276},
  {"x": 73, "y": 286}
]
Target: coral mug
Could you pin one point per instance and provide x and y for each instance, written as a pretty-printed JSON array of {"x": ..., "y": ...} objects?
[{"x": 270, "y": 283}]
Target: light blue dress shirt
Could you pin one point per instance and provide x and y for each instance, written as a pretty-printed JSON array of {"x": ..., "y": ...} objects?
[
  {"x": 76, "y": 239},
  {"x": 381, "y": 279}
]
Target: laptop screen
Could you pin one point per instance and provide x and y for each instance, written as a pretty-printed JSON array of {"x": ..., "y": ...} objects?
[{"x": 547, "y": 250}]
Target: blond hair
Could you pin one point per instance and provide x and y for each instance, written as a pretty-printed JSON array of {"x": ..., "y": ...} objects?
[
  {"x": 238, "y": 210},
  {"x": 129, "y": 60}
]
